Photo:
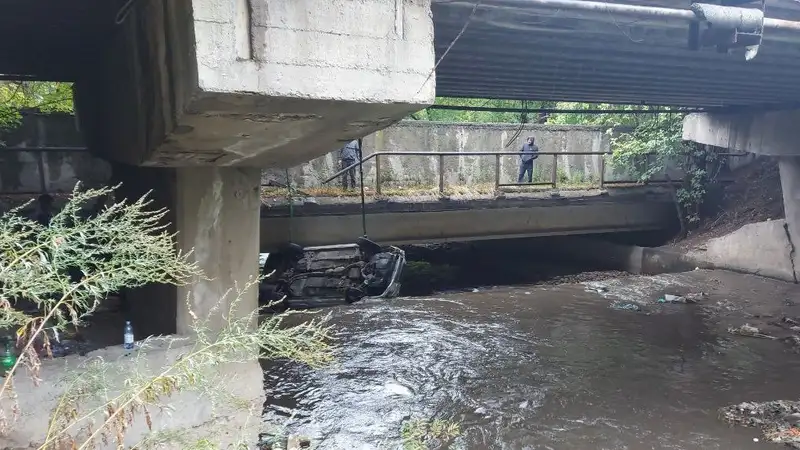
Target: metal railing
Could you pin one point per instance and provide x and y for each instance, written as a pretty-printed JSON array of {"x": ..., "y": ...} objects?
[{"x": 377, "y": 156}]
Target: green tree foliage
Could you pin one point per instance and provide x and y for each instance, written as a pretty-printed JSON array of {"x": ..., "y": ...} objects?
[{"x": 44, "y": 96}]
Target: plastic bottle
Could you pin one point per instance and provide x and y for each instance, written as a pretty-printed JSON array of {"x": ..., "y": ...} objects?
[
  {"x": 128, "y": 336},
  {"x": 8, "y": 359}
]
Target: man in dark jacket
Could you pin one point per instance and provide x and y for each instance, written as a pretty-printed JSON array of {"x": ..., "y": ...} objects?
[
  {"x": 44, "y": 209},
  {"x": 527, "y": 155},
  {"x": 349, "y": 155}
]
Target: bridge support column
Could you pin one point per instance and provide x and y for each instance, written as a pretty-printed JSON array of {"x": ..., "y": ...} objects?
[
  {"x": 773, "y": 134},
  {"x": 215, "y": 212}
]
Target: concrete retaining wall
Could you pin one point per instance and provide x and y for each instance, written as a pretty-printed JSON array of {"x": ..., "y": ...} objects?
[
  {"x": 761, "y": 248},
  {"x": 466, "y": 138},
  {"x": 630, "y": 258},
  {"x": 36, "y": 171}
]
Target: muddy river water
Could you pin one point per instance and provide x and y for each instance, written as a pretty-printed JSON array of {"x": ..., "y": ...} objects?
[{"x": 546, "y": 367}]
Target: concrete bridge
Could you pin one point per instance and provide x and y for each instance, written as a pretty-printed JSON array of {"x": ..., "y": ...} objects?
[
  {"x": 191, "y": 98},
  {"x": 409, "y": 221}
]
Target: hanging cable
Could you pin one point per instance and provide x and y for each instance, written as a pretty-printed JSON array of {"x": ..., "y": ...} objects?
[
  {"x": 523, "y": 119},
  {"x": 291, "y": 206}
]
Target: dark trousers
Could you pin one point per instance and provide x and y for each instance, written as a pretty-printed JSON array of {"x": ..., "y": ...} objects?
[
  {"x": 525, "y": 167},
  {"x": 351, "y": 174}
]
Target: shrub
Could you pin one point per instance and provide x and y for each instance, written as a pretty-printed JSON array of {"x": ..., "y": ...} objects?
[{"x": 67, "y": 268}]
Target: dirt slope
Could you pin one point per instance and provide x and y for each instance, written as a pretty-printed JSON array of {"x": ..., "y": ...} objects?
[{"x": 754, "y": 196}]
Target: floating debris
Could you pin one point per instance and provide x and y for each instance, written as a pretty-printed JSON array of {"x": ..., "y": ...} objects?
[
  {"x": 793, "y": 323},
  {"x": 598, "y": 288},
  {"x": 749, "y": 331},
  {"x": 777, "y": 420},
  {"x": 297, "y": 442},
  {"x": 626, "y": 306},
  {"x": 793, "y": 341},
  {"x": 688, "y": 298},
  {"x": 669, "y": 298},
  {"x": 696, "y": 296}
]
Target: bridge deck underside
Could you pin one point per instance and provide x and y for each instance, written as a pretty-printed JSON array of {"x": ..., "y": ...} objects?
[
  {"x": 512, "y": 50},
  {"x": 637, "y": 209},
  {"x": 509, "y": 49}
]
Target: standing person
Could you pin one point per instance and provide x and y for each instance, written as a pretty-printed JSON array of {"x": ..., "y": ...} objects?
[
  {"x": 44, "y": 209},
  {"x": 348, "y": 156},
  {"x": 527, "y": 155}
]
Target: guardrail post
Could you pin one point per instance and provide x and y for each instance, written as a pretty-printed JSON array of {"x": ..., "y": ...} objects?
[
  {"x": 554, "y": 171},
  {"x": 602, "y": 170},
  {"x": 377, "y": 174},
  {"x": 497, "y": 173},
  {"x": 441, "y": 174}
]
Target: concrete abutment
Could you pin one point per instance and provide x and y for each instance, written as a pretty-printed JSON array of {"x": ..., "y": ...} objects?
[{"x": 774, "y": 134}]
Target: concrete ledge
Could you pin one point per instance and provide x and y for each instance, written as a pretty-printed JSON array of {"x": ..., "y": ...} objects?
[
  {"x": 191, "y": 414},
  {"x": 770, "y": 133},
  {"x": 761, "y": 248}
]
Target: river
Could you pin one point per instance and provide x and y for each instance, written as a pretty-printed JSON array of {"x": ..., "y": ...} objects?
[{"x": 546, "y": 367}]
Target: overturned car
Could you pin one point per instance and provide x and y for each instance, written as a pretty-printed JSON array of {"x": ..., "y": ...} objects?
[{"x": 314, "y": 276}]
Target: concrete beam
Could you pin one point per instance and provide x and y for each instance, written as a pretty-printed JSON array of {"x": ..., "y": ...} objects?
[
  {"x": 255, "y": 83},
  {"x": 770, "y": 133},
  {"x": 536, "y": 218}
]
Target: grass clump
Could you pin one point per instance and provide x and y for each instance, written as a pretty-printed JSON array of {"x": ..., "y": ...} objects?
[{"x": 421, "y": 434}]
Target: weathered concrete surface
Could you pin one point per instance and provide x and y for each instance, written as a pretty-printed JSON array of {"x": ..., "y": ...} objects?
[
  {"x": 34, "y": 171},
  {"x": 410, "y": 135},
  {"x": 769, "y": 133},
  {"x": 215, "y": 214},
  {"x": 192, "y": 415},
  {"x": 255, "y": 83},
  {"x": 761, "y": 248},
  {"x": 217, "y": 218},
  {"x": 789, "y": 169},
  {"x": 630, "y": 258},
  {"x": 441, "y": 221}
]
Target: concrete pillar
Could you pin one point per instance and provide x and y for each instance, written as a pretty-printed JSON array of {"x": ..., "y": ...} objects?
[
  {"x": 789, "y": 167},
  {"x": 218, "y": 217},
  {"x": 215, "y": 212}
]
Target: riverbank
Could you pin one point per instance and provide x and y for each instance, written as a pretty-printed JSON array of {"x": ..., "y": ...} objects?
[
  {"x": 747, "y": 308},
  {"x": 746, "y": 233},
  {"x": 754, "y": 196}
]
